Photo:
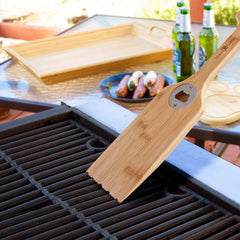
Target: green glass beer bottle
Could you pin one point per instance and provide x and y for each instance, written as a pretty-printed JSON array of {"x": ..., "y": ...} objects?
[
  {"x": 185, "y": 47},
  {"x": 208, "y": 37},
  {"x": 175, "y": 31}
]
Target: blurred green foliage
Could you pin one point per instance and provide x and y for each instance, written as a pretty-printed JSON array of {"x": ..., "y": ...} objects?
[
  {"x": 158, "y": 9},
  {"x": 225, "y": 10}
]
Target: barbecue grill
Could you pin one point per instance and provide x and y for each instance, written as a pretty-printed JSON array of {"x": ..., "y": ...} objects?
[{"x": 45, "y": 192}]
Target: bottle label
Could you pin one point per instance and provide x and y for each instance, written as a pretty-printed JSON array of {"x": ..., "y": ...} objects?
[
  {"x": 174, "y": 53},
  {"x": 185, "y": 25},
  {"x": 208, "y": 20},
  {"x": 202, "y": 56},
  {"x": 178, "y": 63},
  {"x": 178, "y": 15}
]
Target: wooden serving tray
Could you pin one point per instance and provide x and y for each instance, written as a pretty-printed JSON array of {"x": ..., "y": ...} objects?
[
  {"x": 67, "y": 57},
  {"x": 222, "y": 104}
]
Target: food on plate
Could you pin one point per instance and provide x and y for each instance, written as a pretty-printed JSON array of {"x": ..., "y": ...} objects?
[
  {"x": 134, "y": 79},
  {"x": 157, "y": 86},
  {"x": 122, "y": 90},
  {"x": 150, "y": 79},
  {"x": 140, "y": 85},
  {"x": 141, "y": 89}
]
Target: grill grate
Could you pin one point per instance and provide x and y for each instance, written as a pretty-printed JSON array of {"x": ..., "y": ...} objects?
[{"x": 45, "y": 192}]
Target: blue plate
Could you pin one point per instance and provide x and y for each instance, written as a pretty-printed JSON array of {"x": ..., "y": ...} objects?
[{"x": 109, "y": 86}]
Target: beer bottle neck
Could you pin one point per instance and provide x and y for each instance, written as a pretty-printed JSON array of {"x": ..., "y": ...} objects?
[
  {"x": 208, "y": 19},
  {"x": 178, "y": 15},
  {"x": 185, "y": 23}
]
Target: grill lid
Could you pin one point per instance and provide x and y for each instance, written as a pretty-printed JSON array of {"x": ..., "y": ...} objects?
[{"x": 45, "y": 192}]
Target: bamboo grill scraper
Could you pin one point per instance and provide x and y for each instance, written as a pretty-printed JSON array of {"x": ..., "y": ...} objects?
[{"x": 157, "y": 130}]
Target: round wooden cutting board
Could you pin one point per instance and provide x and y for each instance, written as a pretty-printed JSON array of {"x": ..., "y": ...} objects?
[{"x": 222, "y": 104}]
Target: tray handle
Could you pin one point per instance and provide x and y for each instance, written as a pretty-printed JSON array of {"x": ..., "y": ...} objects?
[{"x": 156, "y": 27}]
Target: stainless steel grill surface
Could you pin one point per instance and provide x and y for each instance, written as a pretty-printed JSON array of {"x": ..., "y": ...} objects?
[{"x": 45, "y": 192}]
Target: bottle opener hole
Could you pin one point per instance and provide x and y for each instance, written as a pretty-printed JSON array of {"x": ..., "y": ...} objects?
[{"x": 182, "y": 96}]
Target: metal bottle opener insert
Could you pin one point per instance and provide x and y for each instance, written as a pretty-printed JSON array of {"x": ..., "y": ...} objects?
[{"x": 182, "y": 96}]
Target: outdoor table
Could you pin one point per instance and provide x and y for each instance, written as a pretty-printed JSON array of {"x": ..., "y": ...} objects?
[{"x": 21, "y": 90}]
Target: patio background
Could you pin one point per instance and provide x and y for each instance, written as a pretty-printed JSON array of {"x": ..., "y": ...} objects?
[
  {"x": 57, "y": 13},
  {"x": 63, "y": 14}
]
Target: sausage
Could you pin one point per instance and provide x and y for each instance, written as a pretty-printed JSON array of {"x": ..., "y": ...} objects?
[
  {"x": 150, "y": 79},
  {"x": 122, "y": 89},
  {"x": 134, "y": 79},
  {"x": 141, "y": 89},
  {"x": 158, "y": 86}
]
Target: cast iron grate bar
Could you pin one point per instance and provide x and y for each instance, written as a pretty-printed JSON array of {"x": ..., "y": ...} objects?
[
  {"x": 58, "y": 160},
  {"x": 30, "y": 224},
  {"x": 191, "y": 223},
  {"x": 231, "y": 230},
  {"x": 33, "y": 134},
  {"x": 164, "y": 220},
  {"x": 49, "y": 159},
  {"x": 29, "y": 217},
  {"x": 213, "y": 228},
  {"x": 235, "y": 236},
  {"x": 12, "y": 182},
  {"x": 67, "y": 182},
  {"x": 15, "y": 192},
  {"x": 146, "y": 203},
  {"x": 40, "y": 139},
  {"x": 137, "y": 214},
  {"x": 24, "y": 207},
  {"x": 74, "y": 214},
  {"x": 43, "y": 144},
  {"x": 45, "y": 192}
]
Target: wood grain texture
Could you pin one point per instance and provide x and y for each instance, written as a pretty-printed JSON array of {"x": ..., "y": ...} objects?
[
  {"x": 144, "y": 145},
  {"x": 222, "y": 104},
  {"x": 66, "y": 57},
  {"x": 157, "y": 130}
]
